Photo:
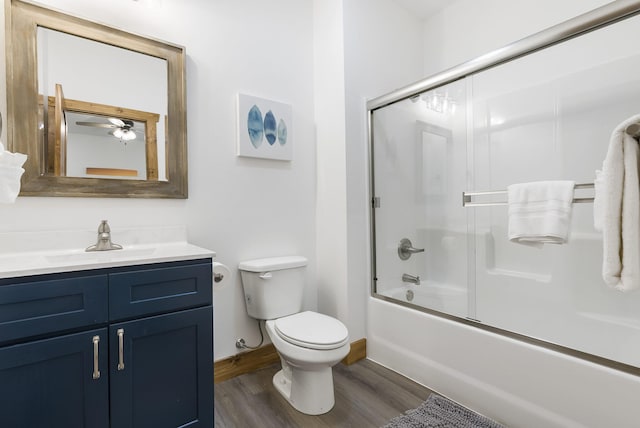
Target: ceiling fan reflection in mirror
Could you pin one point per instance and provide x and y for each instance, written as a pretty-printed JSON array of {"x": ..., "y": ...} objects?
[{"x": 122, "y": 129}]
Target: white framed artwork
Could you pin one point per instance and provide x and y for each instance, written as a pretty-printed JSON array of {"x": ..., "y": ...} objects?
[{"x": 264, "y": 128}]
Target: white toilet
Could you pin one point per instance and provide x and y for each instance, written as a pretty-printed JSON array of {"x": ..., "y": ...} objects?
[{"x": 309, "y": 343}]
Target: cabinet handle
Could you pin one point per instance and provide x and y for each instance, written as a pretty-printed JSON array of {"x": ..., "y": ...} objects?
[
  {"x": 120, "y": 333},
  {"x": 96, "y": 353}
]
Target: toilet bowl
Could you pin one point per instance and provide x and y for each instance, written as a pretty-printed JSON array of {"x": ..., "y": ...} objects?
[
  {"x": 307, "y": 356},
  {"x": 309, "y": 343}
]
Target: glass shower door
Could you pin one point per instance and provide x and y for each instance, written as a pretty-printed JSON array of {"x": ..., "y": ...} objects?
[
  {"x": 532, "y": 122},
  {"x": 420, "y": 228}
]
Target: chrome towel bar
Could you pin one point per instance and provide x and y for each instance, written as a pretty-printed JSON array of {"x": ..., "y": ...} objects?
[{"x": 467, "y": 202}]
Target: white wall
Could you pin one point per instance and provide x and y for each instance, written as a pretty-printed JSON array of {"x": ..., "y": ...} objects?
[
  {"x": 239, "y": 207},
  {"x": 331, "y": 224},
  {"x": 467, "y": 29},
  {"x": 382, "y": 45},
  {"x": 248, "y": 208}
]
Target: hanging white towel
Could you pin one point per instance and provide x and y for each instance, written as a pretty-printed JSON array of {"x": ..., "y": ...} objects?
[
  {"x": 540, "y": 212},
  {"x": 10, "y": 172},
  {"x": 617, "y": 210}
]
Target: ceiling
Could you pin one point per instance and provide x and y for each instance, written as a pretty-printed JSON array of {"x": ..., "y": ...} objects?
[{"x": 424, "y": 8}]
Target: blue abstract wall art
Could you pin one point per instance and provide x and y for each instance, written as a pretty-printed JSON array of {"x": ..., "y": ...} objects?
[
  {"x": 282, "y": 132},
  {"x": 254, "y": 128},
  {"x": 270, "y": 127}
]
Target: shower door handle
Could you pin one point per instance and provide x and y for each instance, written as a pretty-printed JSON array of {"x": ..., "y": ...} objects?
[{"x": 405, "y": 249}]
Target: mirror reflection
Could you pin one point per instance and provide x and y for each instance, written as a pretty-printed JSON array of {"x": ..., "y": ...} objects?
[
  {"x": 104, "y": 147},
  {"x": 66, "y": 75},
  {"x": 105, "y": 114}
]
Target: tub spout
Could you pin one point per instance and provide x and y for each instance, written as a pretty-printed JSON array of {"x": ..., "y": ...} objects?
[{"x": 410, "y": 278}]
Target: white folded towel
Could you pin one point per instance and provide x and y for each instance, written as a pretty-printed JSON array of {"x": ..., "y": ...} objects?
[
  {"x": 617, "y": 210},
  {"x": 540, "y": 212},
  {"x": 10, "y": 172}
]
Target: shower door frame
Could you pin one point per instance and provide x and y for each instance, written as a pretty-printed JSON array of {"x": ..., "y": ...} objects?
[{"x": 572, "y": 28}]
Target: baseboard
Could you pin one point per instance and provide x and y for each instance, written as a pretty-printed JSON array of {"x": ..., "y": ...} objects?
[
  {"x": 246, "y": 362},
  {"x": 250, "y": 361},
  {"x": 358, "y": 352}
]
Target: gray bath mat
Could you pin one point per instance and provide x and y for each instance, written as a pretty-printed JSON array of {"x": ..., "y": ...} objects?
[{"x": 439, "y": 412}]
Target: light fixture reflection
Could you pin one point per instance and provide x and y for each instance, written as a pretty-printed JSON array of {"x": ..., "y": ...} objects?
[
  {"x": 128, "y": 135},
  {"x": 124, "y": 134},
  {"x": 439, "y": 102}
]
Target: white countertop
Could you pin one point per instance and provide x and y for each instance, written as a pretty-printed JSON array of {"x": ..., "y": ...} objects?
[
  {"x": 37, "y": 263},
  {"x": 41, "y": 252}
]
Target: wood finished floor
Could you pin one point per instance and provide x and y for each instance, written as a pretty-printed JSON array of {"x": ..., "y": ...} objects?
[{"x": 367, "y": 395}]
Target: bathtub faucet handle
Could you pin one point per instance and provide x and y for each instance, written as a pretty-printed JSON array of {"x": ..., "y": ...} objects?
[{"x": 405, "y": 249}]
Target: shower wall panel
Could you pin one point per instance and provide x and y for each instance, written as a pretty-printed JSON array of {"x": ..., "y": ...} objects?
[{"x": 548, "y": 116}]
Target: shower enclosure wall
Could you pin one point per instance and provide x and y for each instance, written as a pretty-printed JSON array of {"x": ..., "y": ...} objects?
[{"x": 546, "y": 115}]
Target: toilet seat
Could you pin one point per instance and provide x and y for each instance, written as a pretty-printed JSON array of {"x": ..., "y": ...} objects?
[{"x": 312, "y": 330}]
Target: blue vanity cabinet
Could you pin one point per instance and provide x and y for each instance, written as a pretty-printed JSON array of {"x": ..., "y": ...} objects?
[
  {"x": 53, "y": 359},
  {"x": 161, "y": 369},
  {"x": 51, "y": 383},
  {"x": 117, "y": 347},
  {"x": 164, "y": 373}
]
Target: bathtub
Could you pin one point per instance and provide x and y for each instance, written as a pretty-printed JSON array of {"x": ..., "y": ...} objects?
[
  {"x": 514, "y": 382},
  {"x": 446, "y": 298}
]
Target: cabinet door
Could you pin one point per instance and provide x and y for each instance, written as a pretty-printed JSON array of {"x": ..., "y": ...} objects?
[
  {"x": 35, "y": 307},
  {"x": 53, "y": 383},
  {"x": 161, "y": 289},
  {"x": 161, "y": 371}
]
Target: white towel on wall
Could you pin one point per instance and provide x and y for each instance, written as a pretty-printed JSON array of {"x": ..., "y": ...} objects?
[
  {"x": 540, "y": 212},
  {"x": 10, "y": 172},
  {"x": 617, "y": 210}
]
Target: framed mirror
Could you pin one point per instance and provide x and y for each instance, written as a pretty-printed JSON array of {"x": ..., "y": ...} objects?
[{"x": 100, "y": 112}]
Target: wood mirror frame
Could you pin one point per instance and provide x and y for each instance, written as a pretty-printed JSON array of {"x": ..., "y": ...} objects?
[{"x": 22, "y": 21}]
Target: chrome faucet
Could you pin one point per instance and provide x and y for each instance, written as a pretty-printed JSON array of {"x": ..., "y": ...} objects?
[
  {"x": 104, "y": 239},
  {"x": 410, "y": 278}
]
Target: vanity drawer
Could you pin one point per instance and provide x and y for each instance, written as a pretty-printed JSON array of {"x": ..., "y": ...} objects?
[
  {"x": 158, "y": 290},
  {"x": 33, "y": 308}
]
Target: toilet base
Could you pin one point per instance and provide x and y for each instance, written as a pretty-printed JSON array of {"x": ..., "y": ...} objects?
[{"x": 309, "y": 392}]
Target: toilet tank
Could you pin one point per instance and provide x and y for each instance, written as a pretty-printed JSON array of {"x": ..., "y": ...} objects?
[{"x": 273, "y": 286}]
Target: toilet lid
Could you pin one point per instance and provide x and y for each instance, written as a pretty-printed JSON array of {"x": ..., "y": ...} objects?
[{"x": 312, "y": 330}]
